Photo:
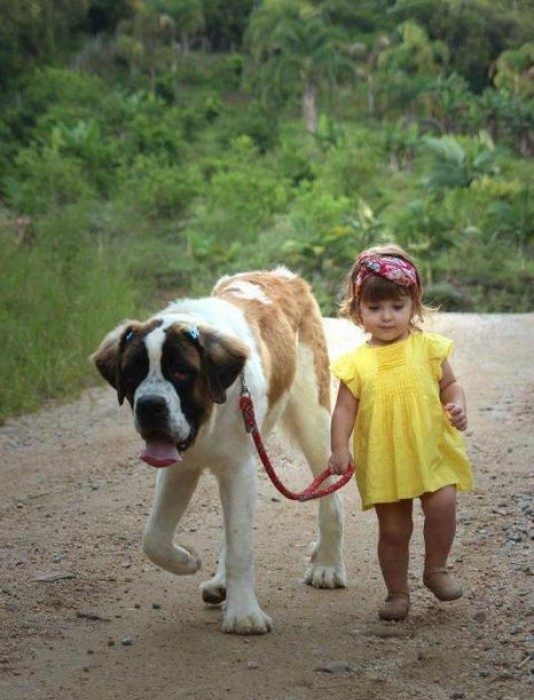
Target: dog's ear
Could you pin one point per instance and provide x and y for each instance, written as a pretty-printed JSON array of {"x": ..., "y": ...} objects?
[
  {"x": 107, "y": 357},
  {"x": 223, "y": 358}
]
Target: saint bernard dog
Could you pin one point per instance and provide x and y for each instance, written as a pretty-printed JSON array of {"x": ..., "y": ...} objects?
[{"x": 181, "y": 373}]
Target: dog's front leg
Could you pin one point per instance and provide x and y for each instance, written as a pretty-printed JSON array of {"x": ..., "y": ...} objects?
[
  {"x": 214, "y": 589},
  {"x": 243, "y": 615},
  {"x": 174, "y": 487}
]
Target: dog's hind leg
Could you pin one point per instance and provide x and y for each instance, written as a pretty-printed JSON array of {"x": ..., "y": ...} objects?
[
  {"x": 174, "y": 488},
  {"x": 308, "y": 423},
  {"x": 214, "y": 589}
]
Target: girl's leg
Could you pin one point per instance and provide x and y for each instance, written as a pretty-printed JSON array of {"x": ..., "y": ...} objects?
[
  {"x": 440, "y": 527},
  {"x": 439, "y": 509},
  {"x": 395, "y": 529}
]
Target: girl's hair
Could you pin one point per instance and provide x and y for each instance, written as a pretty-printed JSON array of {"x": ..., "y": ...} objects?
[{"x": 376, "y": 288}]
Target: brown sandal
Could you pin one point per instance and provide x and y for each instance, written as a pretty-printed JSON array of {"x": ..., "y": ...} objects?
[
  {"x": 395, "y": 607},
  {"x": 443, "y": 584}
]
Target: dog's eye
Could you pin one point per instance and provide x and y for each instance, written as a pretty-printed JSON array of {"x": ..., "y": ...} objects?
[{"x": 181, "y": 375}]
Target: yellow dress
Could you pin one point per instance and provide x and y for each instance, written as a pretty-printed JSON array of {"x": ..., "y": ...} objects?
[{"x": 404, "y": 444}]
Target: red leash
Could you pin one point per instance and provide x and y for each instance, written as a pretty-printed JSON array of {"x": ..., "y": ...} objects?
[{"x": 313, "y": 491}]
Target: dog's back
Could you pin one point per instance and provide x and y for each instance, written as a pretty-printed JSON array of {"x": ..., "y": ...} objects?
[{"x": 282, "y": 312}]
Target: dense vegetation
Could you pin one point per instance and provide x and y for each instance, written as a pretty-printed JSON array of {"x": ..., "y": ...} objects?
[{"x": 148, "y": 146}]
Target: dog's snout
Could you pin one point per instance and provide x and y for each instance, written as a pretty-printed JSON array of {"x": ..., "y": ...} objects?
[
  {"x": 151, "y": 406},
  {"x": 151, "y": 413}
]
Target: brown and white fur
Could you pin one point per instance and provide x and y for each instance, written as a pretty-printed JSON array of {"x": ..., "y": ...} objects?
[{"x": 180, "y": 372}]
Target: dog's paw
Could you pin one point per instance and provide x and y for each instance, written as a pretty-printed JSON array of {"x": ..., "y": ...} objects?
[
  {"x": 179, "y": 560},
  {"x": 213, "y": 592},
  {"x": 192, "y": 562},
  {"x": 320, "y": 576},
  {"x": 182, "y": 561},
  {"x": 253, "y": 621}
]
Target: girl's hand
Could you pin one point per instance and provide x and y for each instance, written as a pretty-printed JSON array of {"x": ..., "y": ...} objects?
[
  {"x": 457, "y": 415},
  {"x": 339, "y": 461}
]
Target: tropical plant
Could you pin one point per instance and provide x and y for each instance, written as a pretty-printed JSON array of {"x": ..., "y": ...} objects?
[
  {"x": 186, "y": 18},
  {"x": 141, "y": 39},
  {"x": 406, "y": 68},
  {"x": 401, "y": 140},
  {"x": 456, "y": 164},
  {"x": 514, "y": 71},
  {"x": 475, "y": 32},
  {"x": 295, "y": 49},
  {"x": 367, "y": 58},
  {"x": 226, "y": 22}
]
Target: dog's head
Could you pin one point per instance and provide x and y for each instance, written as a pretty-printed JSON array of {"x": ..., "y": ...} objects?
[{"x": 171, "y": 373}]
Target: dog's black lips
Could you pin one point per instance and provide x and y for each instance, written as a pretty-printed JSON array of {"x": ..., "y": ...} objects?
[{"x": 182, "y": 446}]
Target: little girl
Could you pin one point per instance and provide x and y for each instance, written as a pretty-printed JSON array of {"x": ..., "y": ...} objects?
[{"x": 399, "y": 396}]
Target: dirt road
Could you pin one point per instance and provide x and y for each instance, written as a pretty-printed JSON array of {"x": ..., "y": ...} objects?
[{"x": 85, "y": 616}]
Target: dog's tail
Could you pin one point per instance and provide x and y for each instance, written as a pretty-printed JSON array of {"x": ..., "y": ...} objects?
[{"x": 312, "y": 335}]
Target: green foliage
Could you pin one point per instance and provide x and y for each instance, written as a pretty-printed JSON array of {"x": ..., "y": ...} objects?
[
  {"x": 154, "y": 130},
  {"x": 293, "y": 162},
  {"x": 157, "y": 190},
  {"x": 45, "y": 178},
  {"x": 58, "y": 299},
  {"x": 329, "y": 132},
  {"x": 514, "y": 71},
  {"x": 475, "y": 32},
  {"x": 33, "y": 33},
  {"x": 325, "y": 238},
  {"x": 509, "y": 119},
  {"x": 53, "y": 95},
  {"x": 294, "y": 48},
  {"x": 401, "y": 142},
  {"x": 159, "y": 164},
  {"x": 457, "y": 165},
  {"x": 242, "y": 196},
  {"x": 451, "y": 102},
  {"x": 226, "y": 22},
  {"x": 407, "y": 69},
  {"x": 255, "y": 121},
  {"x": 105, "y": 15}
]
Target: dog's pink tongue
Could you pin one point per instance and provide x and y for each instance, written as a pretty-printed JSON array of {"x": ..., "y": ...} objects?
[{"x": 160, "y": 454}]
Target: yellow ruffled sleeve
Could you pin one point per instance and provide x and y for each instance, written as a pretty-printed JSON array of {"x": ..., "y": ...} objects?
[
  {"x": 439, "y": 350},
  {"x": 344, "y": 369}
]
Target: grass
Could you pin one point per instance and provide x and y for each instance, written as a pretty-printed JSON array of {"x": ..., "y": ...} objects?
[{"x": 58, "y": 302}]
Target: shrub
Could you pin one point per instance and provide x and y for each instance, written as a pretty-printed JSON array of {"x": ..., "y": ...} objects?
[
  {"x": 59, "y": 297},
  {"x": 44, "y": 178},
  {"x": 458, "y": 162},
  {"x": 242, "y": 196},
  {"x": 158, "y": 190}
]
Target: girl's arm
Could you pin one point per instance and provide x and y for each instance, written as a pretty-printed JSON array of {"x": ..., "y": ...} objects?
[
  {"x": 452, "y": 397},
  {"x": 341, "y": 428}
]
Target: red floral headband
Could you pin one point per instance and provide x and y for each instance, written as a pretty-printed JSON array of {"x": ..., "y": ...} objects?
[{"x": 392, "y": 268}]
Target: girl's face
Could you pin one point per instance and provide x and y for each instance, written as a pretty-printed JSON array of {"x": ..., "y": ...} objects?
[{"x": 387, "y": 320}]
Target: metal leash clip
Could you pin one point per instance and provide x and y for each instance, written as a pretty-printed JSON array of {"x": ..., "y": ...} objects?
[{"x": 245, "y": 404}]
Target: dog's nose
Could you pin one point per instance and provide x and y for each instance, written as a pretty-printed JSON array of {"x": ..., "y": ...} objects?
[{"x": 151, "y": 409}]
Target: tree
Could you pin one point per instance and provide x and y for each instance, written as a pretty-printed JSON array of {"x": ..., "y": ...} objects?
[
  {"x": 105, "y": 15},
  {"x": 367, "y": 63},
  {"x": 408, "y": 67},
  {"x": 186, "y": 15},
  {"x": 36, "y": 32},
  {"x": 508, "y": 107},
  {"x": 141, "y": 39},
  {"x": 476, "y": 32},
  {"x": 138, "y": 39},
  {"x": 226, "y": 22},
  {"x": 367, "y": 17},
  {"x": 294, "y": 48},
  {"x": 514, "y": 71}
]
